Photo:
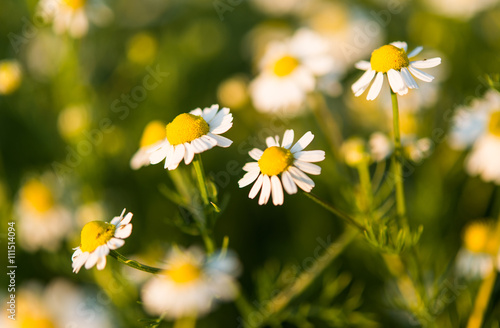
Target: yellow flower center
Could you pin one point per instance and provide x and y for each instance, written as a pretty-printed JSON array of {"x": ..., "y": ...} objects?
[
  {"x": 75, "y": 4},
  {"x": 285, "y": 65},
  {"x": 10, "y": 76},
  {"x": 387, "y": 57},
  {"x": 494, "y": 124},
  {"x": 183, "y": 272},
  {"x": 186, "y": 128},
  {"x": 476, "y": 237},
  {"x": 41, "y": 322},
  {"x": 275, "y": 160},
  {"x": 38, "y": 195},
  {"x": 153, "y": 132},
  {"x": 95, "y": 234}
]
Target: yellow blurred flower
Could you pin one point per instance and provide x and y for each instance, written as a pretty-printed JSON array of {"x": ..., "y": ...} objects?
[
  {"x": 233, "y": 92},
  {"x": 72, "y": 121},
  {"x": 10, "y": 76},
  {"x": 142, "y": 48}
]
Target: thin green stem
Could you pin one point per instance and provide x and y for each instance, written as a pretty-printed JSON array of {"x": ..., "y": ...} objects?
[
  {"x": 133, "y": 264},
  {"x": 335, "y": 211},
  {"x": 207, "y": 239},
  {"x": 366, "y": 186},
  {"x": 200, "y": 176},
  {"x": 397, "y": 162}
]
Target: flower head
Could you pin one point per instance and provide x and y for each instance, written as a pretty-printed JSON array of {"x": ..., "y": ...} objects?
[
  {"x": 394, "y": 61},
  {"x": 191, "y": 284},
  {"x": 478, "y": 126},
  {"x": 98, "y": 238},
  {"x": 285, "y": 160},
  {"x": 153, "y": 135},
  {"x": 10, "y": 76},
  {"x": 192, "y": 133}
]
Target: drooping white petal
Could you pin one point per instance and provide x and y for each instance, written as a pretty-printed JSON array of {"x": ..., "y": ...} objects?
[
  {"x": 189, "y": 153},
  {"x": 408, "y": 79},
  {"x": 115, "y": 243},
  {"x": 415, "y": 51},
  {"x": 303, "y": 142},
  {"x": 401, "y": 45},
  {"x": 251, "y": 166},
  {"x": 159, "y": 155},
  {"x": 77, "y": 253},
  {"x": 310, "y": 155},
  {"x": 176, "y": 157},
  {"x": 271, "y": 142},
  {"x": 221, "y": 141},
  {"x": 308, "y": 167},
  {"x": 265, "y": 193},
  {"x": 277, "y": 191},
  {"x": 170, "y": 155},
  {"x": 123, "y": 231},
  {"x": 256, "y": 153},
  {"x": 363, "y": 65},
  {"x": 223, "y": 126},
  {"x": 256, "y": 187},
  {"x": 92, "y": 260},
  {"x": 301, "y": 179},
  {"x": 125, "y": 220},
  {"x": 248, "y": 178},
  {"x": 287, "y": 139},
  {"x": 426, "y": 63},
  {"x": 420, "y": 75},
  {"x": 101, "y": 263},
  {"x": 211, "y": 142},
  {"x": 209, "y": 113},
  {"x": 363, "y": 81},
  {"x": 288, "y": 184},
  {"x": 376, "y": 86},
  {"x": 396, "y": 82},
  {"x": 219, "y": 117}
]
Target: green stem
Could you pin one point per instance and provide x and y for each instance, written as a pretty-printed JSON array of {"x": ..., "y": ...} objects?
[
  {"x": 133, "y": 264},
  {"x": 333, "y": 210},
  {"x": 200, "y": 176},
  {"x": 366, "y": 186},
  {"x": 397, "y": 162},
  {"x": 207, "y": 239}
]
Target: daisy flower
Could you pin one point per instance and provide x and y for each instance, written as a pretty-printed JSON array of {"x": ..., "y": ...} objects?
[
  {"x": 43, "y": 222},
  {"x": 10, "y": 76},
  {"x": 98, "y": 238},
  {"x": 288, "y": 71},
  {"x": 478, "y": 126},
  {"x": 393, "y": 60},
  {"x": 191, "y": 284},
  {"x": 291, "y": 162},
  {"x": 475, "y": 259},
  {"x": 153, "y": 135},
  {"x": 192, "y": 133}
]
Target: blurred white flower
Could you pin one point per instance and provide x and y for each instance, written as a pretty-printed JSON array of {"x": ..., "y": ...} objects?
[
  {"x": 394, "y": 61},
  {"x": 414, "y": 148},
  {"x": 153, "y": 135},
  {"x": 478, "y": 126},
  {"x": 461, "y": 9},
  {"x": 289, "y": 161},
  {"x": 381, "y": 146},
  {"x": 191, "y": 284},
  {"x": 98, "y": 238},
  {"x": 193, "y": 133},
  {"x": 43, "y": 222},
  {"x": 288, "y": 72}
]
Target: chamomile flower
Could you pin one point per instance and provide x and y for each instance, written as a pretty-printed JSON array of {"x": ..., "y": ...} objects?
[
  {"x": 192, "y": 133},
  {"x": 290, "y": 162},
  {"x": 191, "y": 284},
  {"x": 10, "y": 76},
  {"x": 98, "y": 238},
  {"x": 478, "y": 125},
  {"x": 153, "y": 135},
  {"x": 43, "y": 221},
  {"x": 288, "y": 72},
  {"x": 414, "y": 148},
  {"x": 476, "y": 258},
  {"x": 394, "y": 61}
]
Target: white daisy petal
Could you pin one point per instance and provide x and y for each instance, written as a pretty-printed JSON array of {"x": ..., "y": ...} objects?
[
  {"x": 363, "y": 65},
  {"x": 310, "y": 155},
  {"x": 189, "y": 153},
  {"x": 159, "y": 155},
  {"x": 198, "y": 146},
  {"x": 266, "y": 190},
  {"x": 221, "y": 141},
  {"x": 197, "y": 112},
  {"x": 251, "y": 166},
  {"x": 77, "y": 253},
  {"x": 277, "y": 191},
  {"x": 80, "y": 260},
  {"x": 376, "y": 86},
  {"x": 209, "y": 112},
  {"x": 176, "y": 157},
  {"x": 415, "y": 52},
  {"x": 219, "y": 117},
  {"x": 256, "y": 187},
  {"x": 92, "y": 260},
  {"x": 271, "y": 142},
  {"x": 408, "y": 79},
  {"x": 303, "y": 142},
  {"x": 363, "y": 81},
  {"x": 211, "y": 142},
  {"x": 288, "y": 184},
  {"x": 287, "y": 139},
  {"x": 248, "y": 178},
  {"x": 401, "y": 45},
  {"x": 426, "y": 63},
  {"x": 256, "y": 153},
  {"x": 303, "y": 181},
  {"x": 420, "y": 75},
  {"x": 307, "y": 167},
  {"x": 125, "y": 220},
  {"x": 362, "y": 90},
  {"x": 396, "y": 81},
  {"x": 101, "y": 263},
  {"x": 115, "y": 243},
  {"x": 123, "y": 231}
]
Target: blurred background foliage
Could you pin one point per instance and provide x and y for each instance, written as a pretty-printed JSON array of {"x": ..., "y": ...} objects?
[{"x": 71, "y": 87}]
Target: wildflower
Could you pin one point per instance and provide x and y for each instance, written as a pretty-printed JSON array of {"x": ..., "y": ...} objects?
[
  {"x": 10, "y": 76},
  {"x": 393, "y": 60},
  {"x": 98, "y": 238},
  {"x": 191, "y": 284},
  {"x": 193, "y": 133},
  {"x": 153, "y": 135},
  {"x": 290, "y": 162}
]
